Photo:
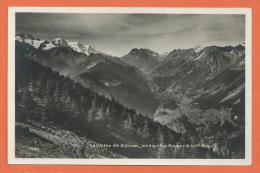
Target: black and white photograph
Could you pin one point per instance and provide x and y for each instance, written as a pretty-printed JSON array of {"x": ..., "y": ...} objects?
[{"x": 129, "y": 86}]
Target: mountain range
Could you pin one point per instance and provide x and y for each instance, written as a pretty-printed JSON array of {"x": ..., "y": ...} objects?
[{"x": 199, "y": 92}]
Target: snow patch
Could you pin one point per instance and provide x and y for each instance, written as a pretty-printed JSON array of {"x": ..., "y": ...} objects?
[
  {"x": 190, "y": 72},
  {"x": 197, "y": 49},
  {"x": 199, "y": 57},
  {"x": 111, "y": 83},
  {"x": 48, "y": 46},
  {"x": 80, "y": 47},
  {"x": 237, "y": 102},
  {"x": 91, "y": 65},
  {"x": 60, "y": 42},
  {"x": 233, "y": 94}
]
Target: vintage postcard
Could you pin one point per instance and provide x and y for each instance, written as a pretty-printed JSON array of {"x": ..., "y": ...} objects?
[{"x": 129, "y": 86}]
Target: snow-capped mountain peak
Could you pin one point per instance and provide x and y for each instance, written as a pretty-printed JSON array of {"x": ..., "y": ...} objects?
[
  {"x": 83, "y": 48},
  {"x": 57, "y": 42},
  {"x": 29, "y": 39},
  {"x": 60, "y": 42},
  {"x": 197, "y": 49},
  {"x": 25, "y": 36}
]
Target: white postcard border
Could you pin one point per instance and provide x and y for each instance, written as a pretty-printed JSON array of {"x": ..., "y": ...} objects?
[{"x": 11, "y": 87}]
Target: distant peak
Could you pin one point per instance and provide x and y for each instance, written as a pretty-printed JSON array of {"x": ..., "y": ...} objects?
[
  {"x": 141, "y": 51},
  {"x": 182, "y": 51},
  {"x": 240, "y": 45},
  {"x": 219, "y": 48},
  {"x": 60, "y": 41},
  {"x": 26, "y": 36},
  {"x": 134, "y": 50},
  {"x": 81, "y": 44},
  {"x": 197, "y": 48}
]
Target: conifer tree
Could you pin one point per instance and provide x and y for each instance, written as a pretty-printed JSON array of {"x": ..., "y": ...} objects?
[
  {"x": 100, "y": 113},
  {"x": 161, "y": 141},
  {"x": 56, "y": 94},
  {"x": 145, "y": 131},
  {"x": 92, "y": 111}
]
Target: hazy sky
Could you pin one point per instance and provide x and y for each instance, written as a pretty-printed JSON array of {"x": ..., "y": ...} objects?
[{"x": 117, "y": 34}]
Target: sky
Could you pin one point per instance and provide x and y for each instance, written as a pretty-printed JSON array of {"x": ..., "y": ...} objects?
[{"x": 117, "y": 34}]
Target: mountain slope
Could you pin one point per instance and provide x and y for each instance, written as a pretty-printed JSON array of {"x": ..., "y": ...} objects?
[
  {"x": 188, "y": 69},
  {"x": 116, "y": 79}
]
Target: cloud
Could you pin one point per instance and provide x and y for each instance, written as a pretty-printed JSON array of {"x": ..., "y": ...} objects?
[{"x": 118, "y": 33}]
